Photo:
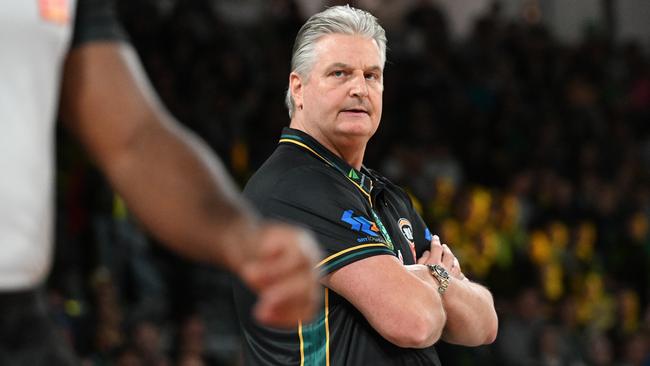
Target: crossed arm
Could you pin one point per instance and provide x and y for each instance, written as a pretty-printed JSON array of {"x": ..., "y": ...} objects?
[
  {"x": 177, "y": 189},
  {"x": 471, "y": 317},
  {"x": 381, "y": 287}
]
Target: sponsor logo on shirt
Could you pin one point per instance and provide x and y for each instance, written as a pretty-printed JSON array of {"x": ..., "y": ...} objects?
[
  {"x": 54, "y": 11},
  {"x": 360, "y": 223},
  {"x": 371, "y": 239}
]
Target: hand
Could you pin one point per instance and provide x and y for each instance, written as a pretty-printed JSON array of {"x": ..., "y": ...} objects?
[
  {"x": 442, "y": 255},
  {"x": 283, "y": 276}
]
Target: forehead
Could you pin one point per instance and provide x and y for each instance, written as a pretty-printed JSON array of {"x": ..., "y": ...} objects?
[{"x": 353, "y": 50}]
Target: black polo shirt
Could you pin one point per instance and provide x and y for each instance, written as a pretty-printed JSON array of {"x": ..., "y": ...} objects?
[{"x": 354, "y": 215}]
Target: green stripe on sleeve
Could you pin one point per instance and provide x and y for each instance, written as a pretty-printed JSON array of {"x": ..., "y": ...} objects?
[{"x": 315, "y": 341}]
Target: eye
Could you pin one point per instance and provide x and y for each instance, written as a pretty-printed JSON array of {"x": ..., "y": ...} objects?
[
  {"x": 338, "y": 73},
  {"x": 372, "y": 76}
]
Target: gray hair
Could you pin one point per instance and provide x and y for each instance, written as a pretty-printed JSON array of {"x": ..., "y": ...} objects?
[{"x": 334, "y": 20}]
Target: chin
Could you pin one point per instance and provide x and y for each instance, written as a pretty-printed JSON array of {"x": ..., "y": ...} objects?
[{"x": 357, "y": 128}]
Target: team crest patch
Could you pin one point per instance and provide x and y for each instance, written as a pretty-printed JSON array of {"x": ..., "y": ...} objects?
[
  {"x": 55, "y": 11},
  {"x": 407, "y": 230}
]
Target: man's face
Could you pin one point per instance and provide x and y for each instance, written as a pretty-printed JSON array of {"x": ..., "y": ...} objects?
[{"x": 342, "y": 96}]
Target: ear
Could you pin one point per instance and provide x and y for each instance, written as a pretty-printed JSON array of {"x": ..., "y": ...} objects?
[{"x": 295, "y": 85}]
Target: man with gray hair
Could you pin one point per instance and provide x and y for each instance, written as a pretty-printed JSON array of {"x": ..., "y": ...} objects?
[{"x": 391, "y": 290}]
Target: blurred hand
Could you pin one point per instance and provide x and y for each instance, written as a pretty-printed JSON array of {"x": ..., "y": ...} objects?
[
  {"x": 283, "y": 276},
  {"x": 441, "y": 254}
]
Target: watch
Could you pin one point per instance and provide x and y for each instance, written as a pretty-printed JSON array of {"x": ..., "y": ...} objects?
[{"x": 441, "y": 275}]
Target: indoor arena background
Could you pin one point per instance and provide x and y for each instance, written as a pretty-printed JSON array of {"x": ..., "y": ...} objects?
[{"x": 520, "y": 128}]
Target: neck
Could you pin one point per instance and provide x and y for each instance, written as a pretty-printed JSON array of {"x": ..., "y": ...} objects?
[{"x": 348, "y": 148}]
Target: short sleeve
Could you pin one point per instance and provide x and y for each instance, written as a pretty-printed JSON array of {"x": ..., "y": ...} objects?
[
  {"x": 333, "y": 209},
  {"x": 95, "y": 20}
]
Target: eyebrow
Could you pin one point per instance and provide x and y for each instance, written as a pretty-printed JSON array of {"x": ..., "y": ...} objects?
[{"x": 341, "y": 65}]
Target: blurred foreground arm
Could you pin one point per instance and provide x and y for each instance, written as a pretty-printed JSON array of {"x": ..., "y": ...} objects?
[{"x": 176, "y": 187}]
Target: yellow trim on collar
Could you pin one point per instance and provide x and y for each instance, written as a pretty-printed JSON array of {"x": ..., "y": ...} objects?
[{"x": 328, "y": 162}]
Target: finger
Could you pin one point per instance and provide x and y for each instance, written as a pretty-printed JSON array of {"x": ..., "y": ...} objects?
[
  {"x": 457, "y": 270},
  {"x": 285, "y": 303},
  {"x": 424, "y": 258},
  {"x": 289, "y": 286},
  {"x": 252, "y": 274},
  {"x": 283, "y": 251},
  {"x": 435, "y": 256},
  {"x": 274, "y": 238},
  {"x": 287, "y": 262},
  {"x": 447, "y": 257},
  {"x": 263, "y": 273}
]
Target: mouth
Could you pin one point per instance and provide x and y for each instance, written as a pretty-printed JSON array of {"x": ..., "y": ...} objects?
[{"x": 355, "y": 111}]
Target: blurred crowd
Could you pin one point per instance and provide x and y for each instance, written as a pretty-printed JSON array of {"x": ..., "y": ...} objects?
[{"x": 529, "y": 156}]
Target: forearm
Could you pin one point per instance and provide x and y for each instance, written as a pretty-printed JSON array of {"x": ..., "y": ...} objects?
[
  {"x": 175, "y": 188},
  {"x": 431, "y": 304},
  {"x": 423, "y": 324},
  {"x": 381, "y": 289},
  {"x": 471, "y": 317},
  {"x": 182, "y": 195}
]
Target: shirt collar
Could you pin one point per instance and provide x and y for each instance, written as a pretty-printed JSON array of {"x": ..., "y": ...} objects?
[{"x": 303, "y": 140}]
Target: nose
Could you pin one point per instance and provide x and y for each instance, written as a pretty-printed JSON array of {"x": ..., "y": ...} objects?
[{"x": 358, "y": 87}]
